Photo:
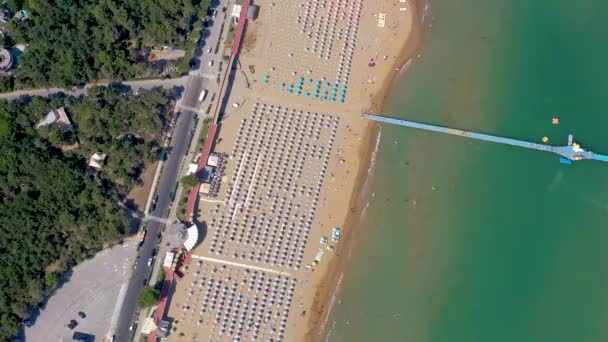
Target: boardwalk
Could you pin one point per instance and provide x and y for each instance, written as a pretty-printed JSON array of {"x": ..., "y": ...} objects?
[{"x": 572, "y": 152}]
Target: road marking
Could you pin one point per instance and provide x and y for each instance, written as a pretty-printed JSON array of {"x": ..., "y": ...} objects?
[
  {"x": 118, "y": 306},
  {"x": 203, "y": 75},
  {"x": 157, "y": 219},
  {"x": 192, "y": 109},
  {"x": 220, "y": 261}
]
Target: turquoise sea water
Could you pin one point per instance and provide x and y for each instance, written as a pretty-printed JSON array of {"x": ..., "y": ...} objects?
[{"x": 473, "y": 241}]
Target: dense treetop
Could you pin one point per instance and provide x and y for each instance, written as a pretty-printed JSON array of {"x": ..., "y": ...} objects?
[
  {"x": 52, "y": 213},
  {"x": 74, "y": 41}
]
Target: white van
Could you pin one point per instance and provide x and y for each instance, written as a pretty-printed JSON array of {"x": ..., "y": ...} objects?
[{"x": 201, "y": 97}]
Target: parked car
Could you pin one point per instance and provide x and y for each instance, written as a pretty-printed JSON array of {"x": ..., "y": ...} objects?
[
  {"x": 82, "y": 314},
  {"x": 149, "y": 261},
  {"x": 223, "y": 9},
  {"x": 209, "y": 49},
  {"x": 211, "y": 63},
  {"x": 72, "y": 324}
]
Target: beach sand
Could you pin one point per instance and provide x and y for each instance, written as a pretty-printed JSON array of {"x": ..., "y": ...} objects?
[
  {"x": 274, "y": 57},
  {"x": 403, "y": 54}
]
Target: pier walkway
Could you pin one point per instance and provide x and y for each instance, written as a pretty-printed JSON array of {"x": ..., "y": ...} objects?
[{"x": 572, "y": 151}]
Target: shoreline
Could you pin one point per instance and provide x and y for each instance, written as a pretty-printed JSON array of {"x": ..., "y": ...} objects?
[{"x": 328, "y": 289}]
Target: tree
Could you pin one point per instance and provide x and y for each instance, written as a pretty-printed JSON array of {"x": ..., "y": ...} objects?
[
  {"x": 189, "y": 181},
  {"x": 72, "y": 42},
  {"x": 52, "y": 213},
  {"x": 52, "y": 279},
  {"x": 149, "y": 296}
]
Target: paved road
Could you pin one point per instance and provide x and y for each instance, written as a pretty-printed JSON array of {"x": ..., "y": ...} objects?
[
  {"x": 166, "y": 184},
  {"x": 135, "y": 85},
  {"x": 203, "y": 77}
]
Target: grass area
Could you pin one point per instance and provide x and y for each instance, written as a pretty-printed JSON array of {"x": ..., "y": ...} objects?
[
  {"x": 204, "y": 131},
  {"x": 238, "y": 2},
  {"x": 182, "y": 206},
  {"x": 231, "y": 34}
]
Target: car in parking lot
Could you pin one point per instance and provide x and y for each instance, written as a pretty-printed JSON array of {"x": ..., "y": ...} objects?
[
  {"x": 209, "y": 49},
  {"x": 211, "y": 63},
  {"x": 72, "y": 324},
  {"x": 82, "y": 314}
]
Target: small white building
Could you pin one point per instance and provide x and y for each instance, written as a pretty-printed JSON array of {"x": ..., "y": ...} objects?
[
  {"x": 213, "y": 160},
  {"x": 97, "y": 160},
  {"x": 57, "y": 116},
  {"x": 192, "y": 167},
  {"x": 236, "y": 11}
]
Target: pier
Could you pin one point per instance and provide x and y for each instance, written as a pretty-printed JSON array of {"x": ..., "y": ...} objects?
[{"x": 571, "y": 152}]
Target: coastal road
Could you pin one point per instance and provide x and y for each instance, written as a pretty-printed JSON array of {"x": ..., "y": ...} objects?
[
  {"x": 135, "y": 85},
  {"x": 203, "y": 77},
  {"x": 166, "y": 184}
]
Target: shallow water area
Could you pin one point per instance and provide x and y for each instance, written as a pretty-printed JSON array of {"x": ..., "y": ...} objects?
[{"x": 473, "y": 241}]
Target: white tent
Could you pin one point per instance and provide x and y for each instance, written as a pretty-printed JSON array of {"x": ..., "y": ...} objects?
[{"x": 192, "y": 238}]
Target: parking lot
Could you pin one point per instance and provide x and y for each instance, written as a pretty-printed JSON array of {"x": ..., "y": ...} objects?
[{"x": 87, "y": 290}]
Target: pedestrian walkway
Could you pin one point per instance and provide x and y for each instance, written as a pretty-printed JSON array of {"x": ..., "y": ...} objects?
[
  {"x": 117, "y": 309},
  {"x": 236, "y": 264},
  {"x": 162, "y": 220},
  {"x": 192, "y": 109}
]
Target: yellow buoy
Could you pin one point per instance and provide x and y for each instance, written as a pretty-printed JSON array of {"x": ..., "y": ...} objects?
[{"x": 545, "y": 139}]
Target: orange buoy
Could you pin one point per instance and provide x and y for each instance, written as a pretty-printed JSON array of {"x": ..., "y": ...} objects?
[
  {"x": 545, "y": 139},
  {"x": 555, "y": 121}
]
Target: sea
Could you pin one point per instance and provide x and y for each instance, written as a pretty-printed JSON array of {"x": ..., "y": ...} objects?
[{"x": 466, "y": 241}]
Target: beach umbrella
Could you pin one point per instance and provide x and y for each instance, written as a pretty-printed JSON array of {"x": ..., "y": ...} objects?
[{"x": 282, "y": 85}]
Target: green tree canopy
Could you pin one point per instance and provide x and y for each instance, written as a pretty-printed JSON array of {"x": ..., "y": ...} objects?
[
  {"x": 53, "y": 214},
  {"x": 149, "y": 296},
  {"x": 189, "y": 181},
  {"x": 75, "y": 41}
]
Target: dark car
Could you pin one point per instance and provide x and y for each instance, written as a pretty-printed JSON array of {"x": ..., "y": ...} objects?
[
  {"x": 223, "y": 9},
  {"x": 212, "y": 13},
  {"x": 27, "y": 322},
  {"x": 82, "y": 314},
  {"x": 72, "y": 324}
]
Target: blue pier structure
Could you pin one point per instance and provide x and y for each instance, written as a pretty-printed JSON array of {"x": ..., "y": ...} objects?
[{"x": 568, "y": 153}]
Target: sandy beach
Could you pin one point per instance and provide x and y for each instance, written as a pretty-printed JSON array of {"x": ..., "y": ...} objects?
[{"x": 297, "y": 153}]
